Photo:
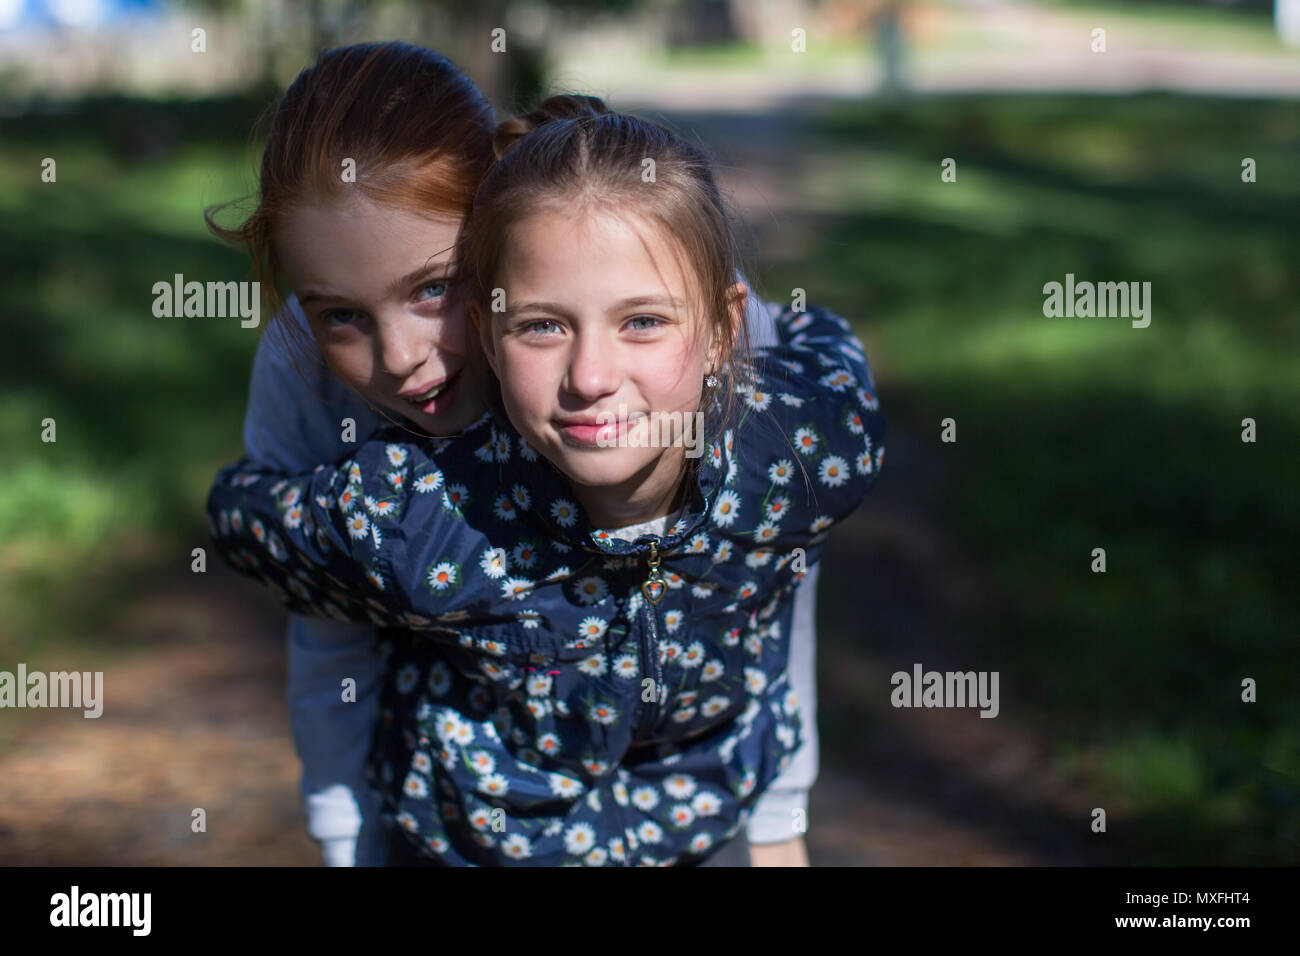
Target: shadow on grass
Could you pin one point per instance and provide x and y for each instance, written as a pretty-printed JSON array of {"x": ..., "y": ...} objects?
[
  {"x": 1087, "y": 436},
  {"x": 1142, "y": 665},
  {"x": 1069, "y": 439}
]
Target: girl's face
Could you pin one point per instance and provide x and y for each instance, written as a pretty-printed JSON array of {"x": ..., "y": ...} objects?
[
  {"x": 372, "y": 280},
  {"x": 600, "y": 319}
]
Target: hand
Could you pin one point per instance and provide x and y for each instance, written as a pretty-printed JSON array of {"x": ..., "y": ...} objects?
[{"x": 790, "y": 853}]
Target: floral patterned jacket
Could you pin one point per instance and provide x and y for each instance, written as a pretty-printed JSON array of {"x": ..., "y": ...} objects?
[{"x": 560, "y": 696}]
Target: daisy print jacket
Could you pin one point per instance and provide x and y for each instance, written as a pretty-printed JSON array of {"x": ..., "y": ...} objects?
[{"x": 558, "y": 696}]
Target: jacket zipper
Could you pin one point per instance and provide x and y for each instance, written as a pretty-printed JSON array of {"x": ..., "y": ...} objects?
[{"x": 653, "y": 588}]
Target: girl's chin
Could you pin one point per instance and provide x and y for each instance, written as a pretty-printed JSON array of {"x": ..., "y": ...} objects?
[
  {"x": 602, "y": 468},
  {"x": 451, "y": 422}
]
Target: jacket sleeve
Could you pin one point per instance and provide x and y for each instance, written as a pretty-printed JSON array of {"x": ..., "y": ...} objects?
[
  {"x": 811, "y": 429},
  {"x": 374, "y": 538},
  {"x": 332, "y": 735}
]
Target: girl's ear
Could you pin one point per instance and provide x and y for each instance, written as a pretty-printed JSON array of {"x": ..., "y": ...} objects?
[
  {"x": 736, "y": 297},
  {"x": 483, "y": 326}
]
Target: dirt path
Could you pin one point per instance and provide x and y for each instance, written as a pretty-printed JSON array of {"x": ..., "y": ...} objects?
[{"x": 193, "y": 722}]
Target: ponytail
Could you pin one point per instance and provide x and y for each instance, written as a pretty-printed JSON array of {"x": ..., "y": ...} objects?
[{"x": 568, "y": 106}]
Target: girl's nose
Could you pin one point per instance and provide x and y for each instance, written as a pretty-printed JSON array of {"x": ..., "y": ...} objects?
[
  {"x": 593, "y": 368},
  {"x": 403, "y": 347}
]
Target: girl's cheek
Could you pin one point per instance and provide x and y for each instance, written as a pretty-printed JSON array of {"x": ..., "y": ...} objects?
[
  {"x": 521, "y": 374},
  {"x": 458, "y": 334},
  {"x": 517, "y": 390},
  {"x": 677, "y": 382},
  {"x": 349, "y": 363}
]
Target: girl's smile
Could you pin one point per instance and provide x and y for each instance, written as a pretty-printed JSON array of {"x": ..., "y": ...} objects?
[{"x": 435, "y": 399}]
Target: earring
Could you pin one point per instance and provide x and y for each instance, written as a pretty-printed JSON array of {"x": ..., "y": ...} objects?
[{"x": 710, "y": 381}]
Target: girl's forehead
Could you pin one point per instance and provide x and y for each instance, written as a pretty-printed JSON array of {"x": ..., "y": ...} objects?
[
  {"x": 357, "y": 241},
  {"x": 598, "y": 256},
  {"x": 596, "y": 221},
  {"x": 355, "y": 211},
  {"x": 595, "y": 246}
]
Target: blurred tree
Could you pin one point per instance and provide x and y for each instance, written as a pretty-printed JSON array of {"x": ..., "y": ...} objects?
[
  {"x": 292, "y": 33},
  {"x": 889, "y": 44},
  {"x": 703, "y": 23},
  {"x": 517, "y": 78},
  {"x": 514, "y": 77}
]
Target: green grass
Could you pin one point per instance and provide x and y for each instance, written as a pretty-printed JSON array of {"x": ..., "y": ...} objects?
[
  {"x": 1183, "y": 25},
  {"x": 145, "y": 408},
  {"x": 830, "y": 50},
  {"x": 1073, "y": 434},
  {"x": 1083, "y": 433}
]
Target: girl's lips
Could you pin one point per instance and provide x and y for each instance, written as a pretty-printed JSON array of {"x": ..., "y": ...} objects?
[
  {"x": 594, "y": 434},
  {"x": 443, "y": 400}
]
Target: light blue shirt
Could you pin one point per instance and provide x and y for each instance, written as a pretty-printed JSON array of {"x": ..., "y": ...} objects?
[{"x": 296, "y": 415}]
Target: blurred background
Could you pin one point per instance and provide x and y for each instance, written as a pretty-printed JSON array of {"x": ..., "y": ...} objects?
[{"x": 1119, "y": 690}]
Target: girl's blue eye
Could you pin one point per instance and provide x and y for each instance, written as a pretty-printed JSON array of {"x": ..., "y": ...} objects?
[
  {"x": 338, "y": 317},
  {"x": 441, "y": 288},
  {"x": 647, "y": 318},
  {"x": 534, "y": 328}
]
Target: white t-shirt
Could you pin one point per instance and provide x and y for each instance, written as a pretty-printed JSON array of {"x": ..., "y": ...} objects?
[{"x": 658, "y": 526}]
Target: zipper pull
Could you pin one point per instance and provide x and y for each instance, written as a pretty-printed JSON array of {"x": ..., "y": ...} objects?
[{"x": 654, "y": 586}]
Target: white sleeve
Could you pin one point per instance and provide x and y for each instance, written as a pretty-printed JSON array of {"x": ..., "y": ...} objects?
[
  {"x": 295, "y": 419},
  {"x": 332, "y": 735},
  {"x": 759, "y": 321},
  {"x": 773, "y": 818}
]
